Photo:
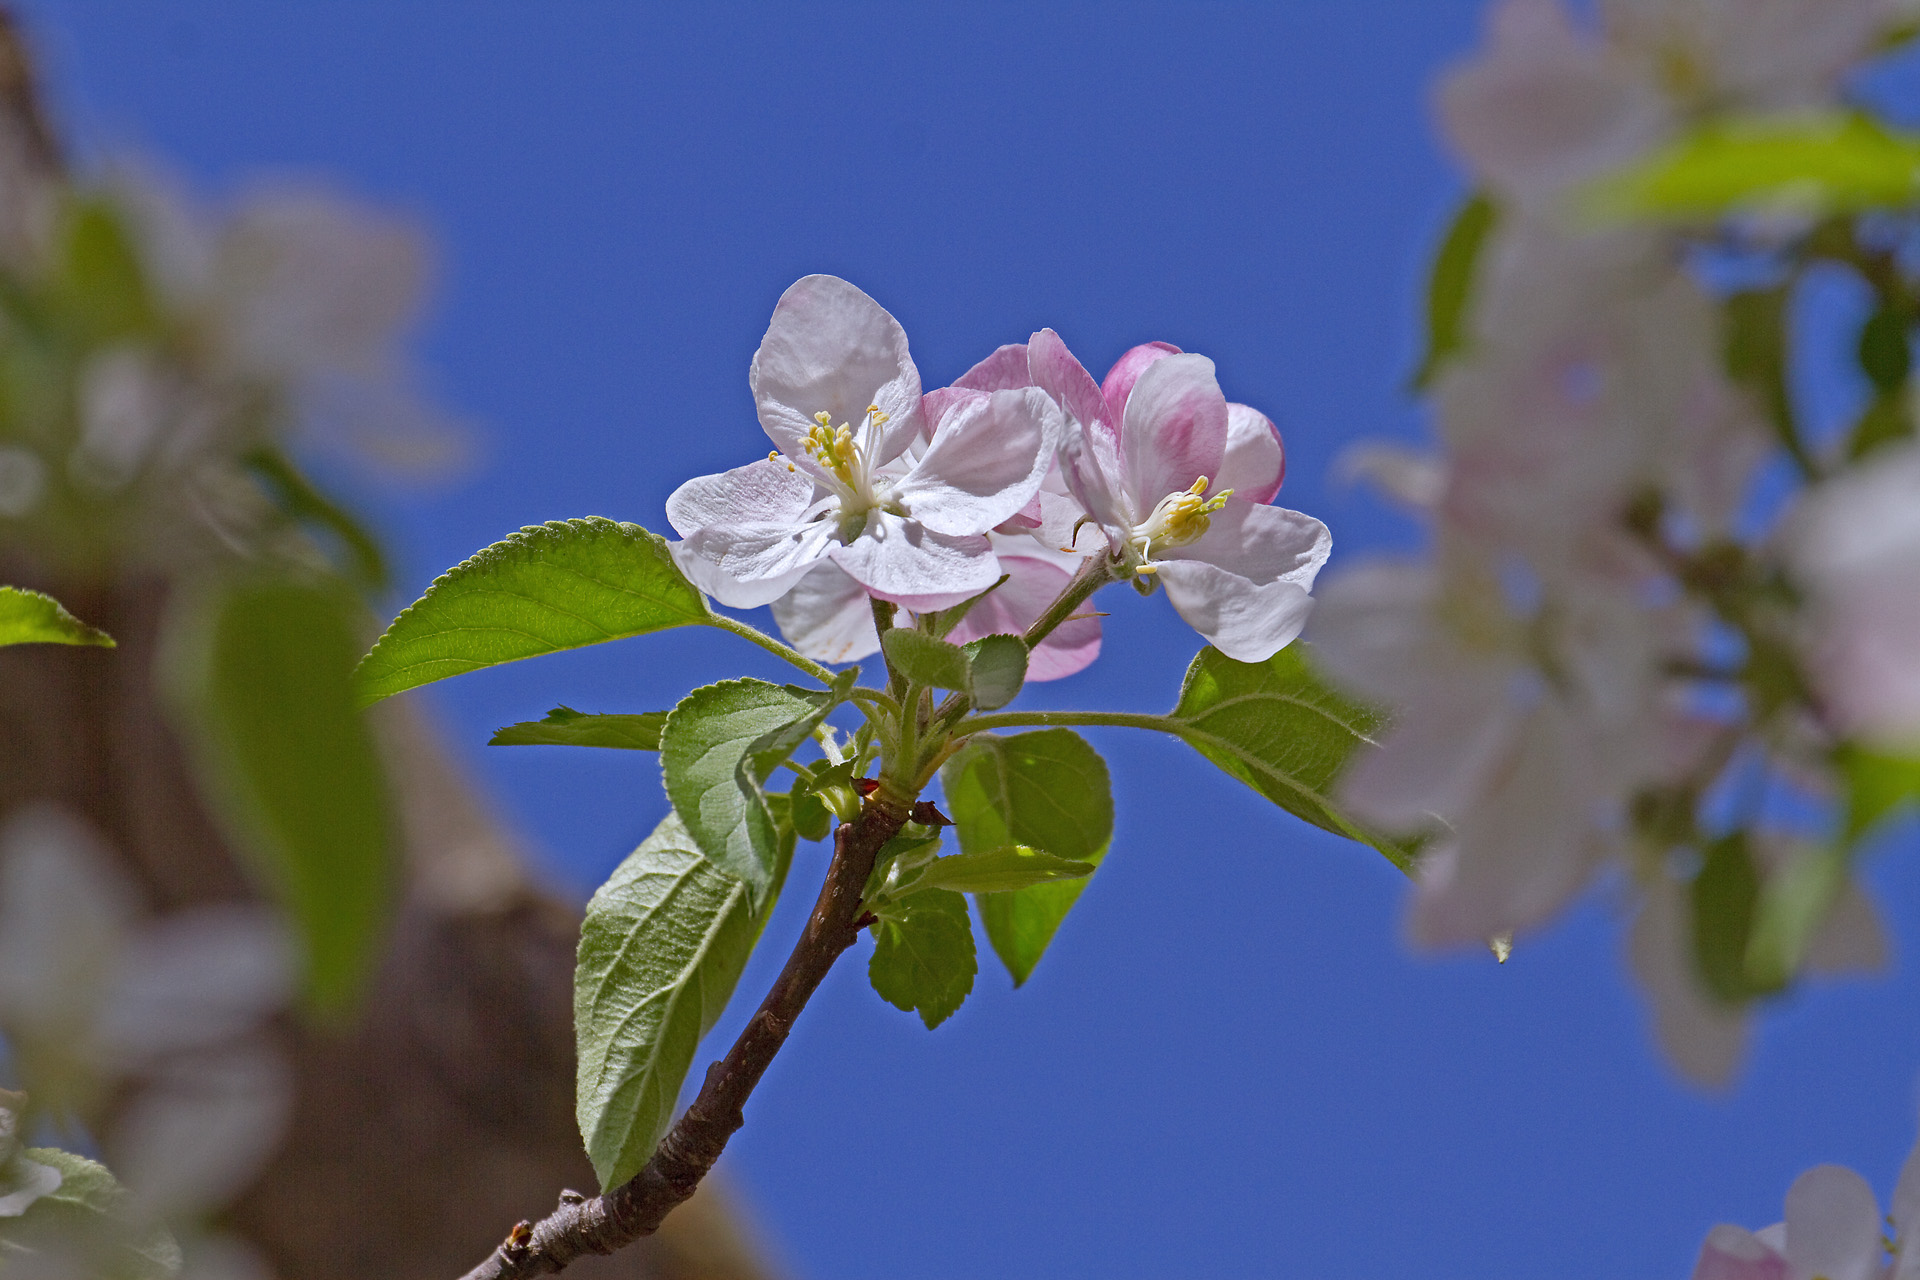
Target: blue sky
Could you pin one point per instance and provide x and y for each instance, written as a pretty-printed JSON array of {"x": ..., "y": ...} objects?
[{"x": 1229, "y": 1064}]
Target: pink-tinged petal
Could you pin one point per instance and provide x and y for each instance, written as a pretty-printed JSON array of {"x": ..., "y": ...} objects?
[
  {"x": 986, "y": 462},
  {"x": 1703, "y": 1038},
  {"x": 831, "y": 349},
  {"x": 1055, "y": 371},
  {"x": 1175, "y": 429},
  {"x": 903, "y": 561},
  {"x": 1255, "y": 462},
  {"x": 744, "y": 566},
  {"x": 1031, "y": 586},
  {"x": 758, "y": 492},
  {"x": 828, "y": 616},
  {"x": 936, "y": 405},
  {"x": 1127, "y": 370},
  {"x": 1833, "y": 1225},
  {"x": 1436, "y": 757},
  {"x": 1734, "y": 1253},
  {"x": 1004, "y": 370},
  {"x": 1090, "y": 465},
  {"x": 1244, "y": 584}
]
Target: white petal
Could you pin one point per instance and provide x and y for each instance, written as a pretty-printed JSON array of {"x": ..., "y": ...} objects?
[
  {"x": 1435, "y": 758},
  {"x": 1261, "y": 544},
  {"x": 831, "y": 349},
  {"x": 986, "y": 461},
  {"x": 903, "y": 561},
  {"x": 1175, "y": 429},
  {"x": 1248, "y": 621},
  {"x": 200, "y": 1132},
  {"x": 1852, "y": 938},
  {"x": 828, "y": 616},
  {"x": 65, "y": 914},
  {"x": 1905, "y": 1212},
  {"x": 1005, "y": 369},
  {"x": 195, "y": 978},
  {"x": 23, "y": 1181},
  {"x": 760, "y": 491},
  {"x": 1833, "y": 1226},
  {"x": 747, "y": 565},
  {"x": 1256, "y": 461}
]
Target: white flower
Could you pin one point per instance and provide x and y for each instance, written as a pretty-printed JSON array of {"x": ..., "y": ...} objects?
[
  {"x": 1178, "y": 481},
  {"x": 840, "y": 397},
  {"x": 1832, "y": 1231},
  {"x": 1854, "y": 545}
]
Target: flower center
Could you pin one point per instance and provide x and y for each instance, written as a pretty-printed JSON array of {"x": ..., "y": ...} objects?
[{"x": 1178, "y": 519}]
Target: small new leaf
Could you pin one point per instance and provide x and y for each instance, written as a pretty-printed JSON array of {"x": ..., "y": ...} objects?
[
  {"x": 924, "y": 660},
  {"x": 1045, "y": 790},
  {"x": 662, "y": 946},
  {"x": 716, "y": 748},
  {"x": 28, "y": 617},
  {"x": 996, "y": 668},
  {"x": 550, "y": 587},
  {"x": 923, "y": 960},
  {"x": 90, "y": 1211},
  {"x": 1278, "y": 728},
  {"x": 1003, "y": 870},
  {"x": 565, "y": 727}
]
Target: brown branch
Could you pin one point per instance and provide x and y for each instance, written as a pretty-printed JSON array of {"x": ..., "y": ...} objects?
[{"x": 635, "y": 1209}]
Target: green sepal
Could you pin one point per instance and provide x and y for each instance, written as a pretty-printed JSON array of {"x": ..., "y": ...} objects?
[
  {"x": 565, "y": 727},
  {"x": 923, "y": 957}
]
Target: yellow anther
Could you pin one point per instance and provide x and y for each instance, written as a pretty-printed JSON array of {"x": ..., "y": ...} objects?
[{"x": 880, "y": 417}]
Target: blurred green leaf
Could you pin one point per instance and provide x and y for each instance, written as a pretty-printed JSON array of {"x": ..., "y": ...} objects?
[
  {"x": 1280, "y": 729},
  {"x": 1725, "y": 896},
  {"x": 923, "y": 960},
  {"x": 261, "y": 674},
  {"x": 1840, "y": 162},
  {"x": 1887, "y": 419},
  {"x": 663, "y": 945},
  {"x": 1450, "y": 286},
  {"x": 28, "y": 617},
  {"x": 1754, "y": 325},
  {"x": 1045, "y": 790},
  {"x": 1885, "y": 354},
  {"x": 565, "y": 727},
  {"x": 716, "y": 748},
  {"x": 996, "y": 668},
  {"x": 549, "y": 587},
  {"x": 87, "y": 1217},
  {"x": 1003, "y": 870},
  {"x": 297, "y": 496},
  {"x": 1877, "y": 785},
  {"x": 103, "y": 293},
  {"x": 1793, "y": 902}
]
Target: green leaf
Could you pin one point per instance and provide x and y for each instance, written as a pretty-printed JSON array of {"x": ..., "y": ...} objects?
[
  {"x": 1280, "y": 729},
  {"x": 261, "y": 675},
  {"x": 996, "y": 668},
  {"x": 103, "y": 290},
  {"x": 716, "y": 749},
  {"x": 549, "y": 587},
  {"x": 1754, "y": 324},
  {"x": 1046, "y": 790},
  {"x": 1886, "y": 420},
  {"x": 810, "y": 817},
  {"x": 1885, "y": 354},
  {"x": 1877, "y": 785},
  {"x": 923, "y": 958},
  {"x": 1003, "y": 870},
  {"x": 1841, "y": 162},
  {"x": 924, "y": 660},
  {"x": 1725, "y": 896},
  {"x": 89, "y": 1212},
  {"x": 27, "y": 617},
  {"x": 662, "y": 947},
  {"x": 565, "y": 727},
  {"x": 1450, "y": 288}
]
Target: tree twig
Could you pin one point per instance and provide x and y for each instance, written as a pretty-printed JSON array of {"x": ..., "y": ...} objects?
[{"x": 635, "y": 1209}]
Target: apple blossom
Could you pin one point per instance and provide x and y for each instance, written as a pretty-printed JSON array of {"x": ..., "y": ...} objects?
[
  {"x": 1832, "y": 1231},
  {"x": 1178, "y": 481},
  {"x": 840, "y": 397}
]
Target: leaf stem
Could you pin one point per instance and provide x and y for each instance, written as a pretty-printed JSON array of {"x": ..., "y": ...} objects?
[
  {"x": 786, "y": 654},
  {"x": 1064, "y": 719},
  {"x": 1095, "y": 572}
]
